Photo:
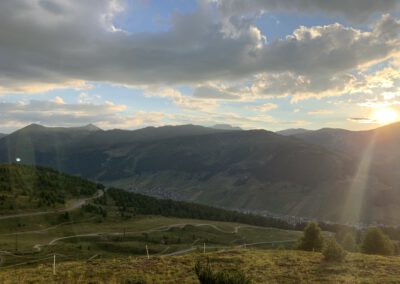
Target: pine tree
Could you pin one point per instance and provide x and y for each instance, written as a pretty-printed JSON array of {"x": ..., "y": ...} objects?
[
  {"x": 349, "y": 243},
  {"x": 333, "y": 251},
  {"x": 312, "y": 239},
  {"x": 376, "y": 242}
]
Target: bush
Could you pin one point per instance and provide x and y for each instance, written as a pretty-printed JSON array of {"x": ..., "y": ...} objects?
[
  {"x": 206, "y": 275},
  {"x": 349, "y": 243},
  {"x": 312, "y": 239},
  {"x": 333, "y": 251},
  {"x": 376, "y": 242}
]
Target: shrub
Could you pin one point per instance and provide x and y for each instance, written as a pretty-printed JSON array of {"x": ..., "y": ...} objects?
[
  {"x": 312, "y": 239},
  {"x": 206, "y": 275},
  {"x": 349, "y": 243},
  {"x": 333, "y": 251},
  {"x": 376, "y": 242}
]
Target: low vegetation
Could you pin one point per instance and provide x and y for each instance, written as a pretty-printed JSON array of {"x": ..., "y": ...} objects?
[
  {"x": 206, "y": 274},
  {"x": 333, "y": 251},
  {"x": 376, "y": 242},
  {"x": 312, "y": 239},
  {"x": 106, "y": 240},
  {"x": 130, "y": 203},
  {"x": 30, "y": 188},
  {"x": 261, "y": 266}
]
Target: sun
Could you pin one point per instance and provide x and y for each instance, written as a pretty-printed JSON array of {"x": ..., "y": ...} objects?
[{"x": 385, "y": 115}]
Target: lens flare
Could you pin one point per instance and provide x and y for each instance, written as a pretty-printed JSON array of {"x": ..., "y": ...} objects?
[{"x": 385, "y": 115}]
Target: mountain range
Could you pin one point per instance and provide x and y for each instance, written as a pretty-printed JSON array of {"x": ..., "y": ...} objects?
[{"x": 329, "y": 174}]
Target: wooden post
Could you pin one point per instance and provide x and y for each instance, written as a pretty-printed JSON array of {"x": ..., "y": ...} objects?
[
  {"x": 54, "y": 264},
  {"x": 16, "y": 242},
  {"x": 204, "y": 248},
  {"x": 147, "y": 251}
]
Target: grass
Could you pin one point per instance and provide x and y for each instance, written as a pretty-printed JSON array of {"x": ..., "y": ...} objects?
[
  {"x": 262, "y": 266},
  {"x": 162, "y": 236}
]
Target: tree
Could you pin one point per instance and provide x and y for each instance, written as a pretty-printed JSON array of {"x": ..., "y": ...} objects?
[
  {"x": 312, "y": 239},
  {"x": 349, "y": 242},
  {"x": 333, "y": 251},
  {"x": 376, "y": 242}
]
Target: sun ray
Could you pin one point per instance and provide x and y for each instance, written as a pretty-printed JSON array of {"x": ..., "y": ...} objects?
[{"x": 353, "y": 206}]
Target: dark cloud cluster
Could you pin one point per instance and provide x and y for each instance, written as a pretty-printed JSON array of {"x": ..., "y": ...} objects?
[
  {"x": 351, "y": 10},
  {"x": 58, "y": 42}
]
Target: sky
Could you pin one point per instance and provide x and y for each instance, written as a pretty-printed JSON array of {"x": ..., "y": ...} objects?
[{"x": 269, "y": 64}]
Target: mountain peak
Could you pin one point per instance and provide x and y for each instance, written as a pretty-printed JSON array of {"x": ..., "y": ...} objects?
[
  {"x": 33, "y": 126},
  {"x": 91, "y": 127}
]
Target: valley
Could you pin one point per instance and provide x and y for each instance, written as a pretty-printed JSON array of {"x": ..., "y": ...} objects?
[
  {"x": 256, "y": 170},
  {"x": 125, "y": 236}
]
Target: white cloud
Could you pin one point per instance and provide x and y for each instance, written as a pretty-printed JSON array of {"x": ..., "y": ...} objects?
[
  {"x": 263, "y": 107},
  {"x": 58, "y": 100},
  {"x": 180, "y": 100}
]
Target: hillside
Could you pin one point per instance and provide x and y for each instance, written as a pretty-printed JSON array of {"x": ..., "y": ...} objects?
[
  {"x": 33, "y": 188},
  {"x": 380, "y": 144},
  {"x": 261, "y": 266},
  {"x": 256, "y": 170},
  {"x": 114, "y": 223},
  {"x": 107, "y": 239},
  {"x": 292, "y": 131},
  {"x": 2, "y": 135}
]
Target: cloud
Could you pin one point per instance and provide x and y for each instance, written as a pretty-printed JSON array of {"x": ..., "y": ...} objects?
[
  {"x": 58, "y": 100},
  {"x": 180, "y": 100},
  {"x": 320, "y": 112},
  {"x": 46, "y": 44},
  {"x": 300, "y": 87},
  {"x": 353, "y": 10},
  {"x": 108, "y": 116},
  {"x": 263, "y": 107},
  {"x": 56, "y": 112},
  {"x": 211, "y": 92},
  {"x": 363, "y": 120}
]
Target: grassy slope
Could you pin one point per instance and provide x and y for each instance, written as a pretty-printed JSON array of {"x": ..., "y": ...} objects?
[
  {"x": 35, "y": 188},
  {"x": 141, "y": 230},
  {"x": 262, "y": 266}
]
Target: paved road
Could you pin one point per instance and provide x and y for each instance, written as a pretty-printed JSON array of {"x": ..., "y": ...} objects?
[{"x": 74, "y": 205}]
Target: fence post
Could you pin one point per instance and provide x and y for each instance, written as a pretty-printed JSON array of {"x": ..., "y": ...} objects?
[
  {"x": 54, "y": 264},
  {"x": 147, "y": 252}
]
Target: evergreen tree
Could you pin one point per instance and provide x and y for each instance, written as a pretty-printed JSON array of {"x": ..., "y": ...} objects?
[
  {"x": 333, "y": 251},
  {"x": 376, "y": 242},
  {"x": 312, "y": 239},
  {"x": 349, "y": 243}
]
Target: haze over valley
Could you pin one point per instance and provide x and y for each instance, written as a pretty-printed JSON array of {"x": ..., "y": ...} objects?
[{"x": 330, "y": 174}]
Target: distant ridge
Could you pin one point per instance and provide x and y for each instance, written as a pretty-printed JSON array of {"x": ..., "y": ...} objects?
[
  {"x": 38, "y": 127},
  {"x": 2, "y": 135},
  {"x": 226, "y": 127},
  {"x": 292, "y": 131}
]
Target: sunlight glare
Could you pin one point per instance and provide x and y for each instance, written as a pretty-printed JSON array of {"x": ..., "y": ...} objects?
[{"x": 385, "y": 115}]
